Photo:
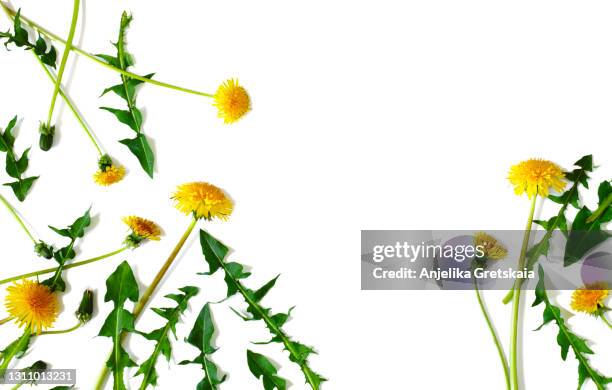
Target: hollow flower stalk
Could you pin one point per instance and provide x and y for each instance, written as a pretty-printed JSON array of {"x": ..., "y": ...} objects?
[
  {"x": 532, "y": 177},
  {"x": 141, "y": 231},
  {"x": 230, "y": 99}
]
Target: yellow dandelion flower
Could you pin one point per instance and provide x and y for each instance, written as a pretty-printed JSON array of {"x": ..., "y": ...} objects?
[
  {"x": 32, "y": 304},
  {"x": 232, "y": 101},
  {"x": 203, "y": 200},
  {"x": 536, "y": 177},
  {"x": 492, "y": 249},
  {"x": 109, "y": 175},
  {"x": 143, "y": 228},
  {"x": 590, "y": 298}
]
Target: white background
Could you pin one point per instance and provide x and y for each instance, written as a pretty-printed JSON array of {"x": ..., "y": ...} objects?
[{"x": 366, "y": 115}]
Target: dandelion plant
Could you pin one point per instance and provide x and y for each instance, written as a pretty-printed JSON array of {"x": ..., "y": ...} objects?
[{"x": 126, "y": 90}]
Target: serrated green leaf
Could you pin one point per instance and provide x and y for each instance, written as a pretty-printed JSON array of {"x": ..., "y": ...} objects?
[
  {"x": 121, "y": 286},
  {"x": 124, "y": 116},
  {"x": 7, "y": 140},
  {"x": 162, "y": 335},
  {"x": 567, "y": 339},
  {"x": 214, "y": 253},
  {"x": 262, "y": 368},
  {"x": 583, "y": 237},
  {"x": 20, "y": 35},
  {"x": 140, "y": 147},
  {"x": 132, "y": 116},
  {"x": 112, "y": 60},
  {"x": 15, "y": 349},
  {"x": 11, "y": 166},
  {"x": 202, "y": 332},
  {"x": 263, "y": 290},
  {"x": 20, "y": 38},
  {"x": 127, "y": 90},
  {"x": 14, "y": 166},
  {"x": 22, "y": 187},
  {"x": 22, "y": 163},
  {"x": 75, "y": 231},
  {"x": 585, "y": 162},
  {"x": 201, "y": 336},
  {"x": 30, "y": 373}
]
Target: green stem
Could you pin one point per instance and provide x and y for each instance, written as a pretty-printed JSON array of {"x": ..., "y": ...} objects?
[
  {"x": 17, "y": 218},
  {"x": 550, "y": 229},
  {"x": 63, "y": 94},
  {"x": 72, "y": 108},
  {"x": 603, "y": 317},
  {"x": 71, "y": 265},
  {"x": 601, "y": 209},
  {"x": 77, "y": 326},
  {"x": 62, "y": 67},
  {"x": 92, "y": 57},
  {"x": 144, "y": 299},
  {"x": 516, "y": 295},
  {"x": 498, "y": 346}
]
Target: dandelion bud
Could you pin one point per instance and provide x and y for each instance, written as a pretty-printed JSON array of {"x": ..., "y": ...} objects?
[
  {"x": 46, "y": 136},
  {"x": 85, "y": 310},
  {"x": 43, "y": 249}
]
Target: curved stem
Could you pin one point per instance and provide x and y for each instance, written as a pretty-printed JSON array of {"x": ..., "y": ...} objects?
[
  {"x": 603, "y": 317},
  {"x": 63, "y": 94},
  {"x": 144, "y": 299},
  {"x": 68, "y": 266},
  {"x": 93, "y": 58},
  {"x": 77, "y": 326},
  {"x": 516, "y": 295},
  {"x": 72, "y": 108},
  {"x": 17, "y": 218},
  {"x": 62, "y": 67},
  {"x": 498, "y": 346}
]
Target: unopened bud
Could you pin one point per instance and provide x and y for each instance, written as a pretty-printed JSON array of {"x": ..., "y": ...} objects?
[
  {"x": 43, "y": 249},
  {"x": 85, "y": 311},
  {"x": 46, "y": 136}
]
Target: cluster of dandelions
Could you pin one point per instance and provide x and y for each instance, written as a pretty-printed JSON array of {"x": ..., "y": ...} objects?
[
  {"x": 231, "y": 99},
  {"x": 537, "y": 178},
  {"x": 33, "y": 305}
]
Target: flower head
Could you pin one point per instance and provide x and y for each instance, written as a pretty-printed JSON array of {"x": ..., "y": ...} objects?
[
  {"x": 32, "y": 304},
  {"x": 536, "y": 177},
  {"x": 232, "y": 101},
  {"x": 590, "y": 298},
  {"x": 142, "y": 229},
  {"x": 203, "y": 200},
  {"x": 108, "y": 173},
  {"x": 492, "y": 249}
]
